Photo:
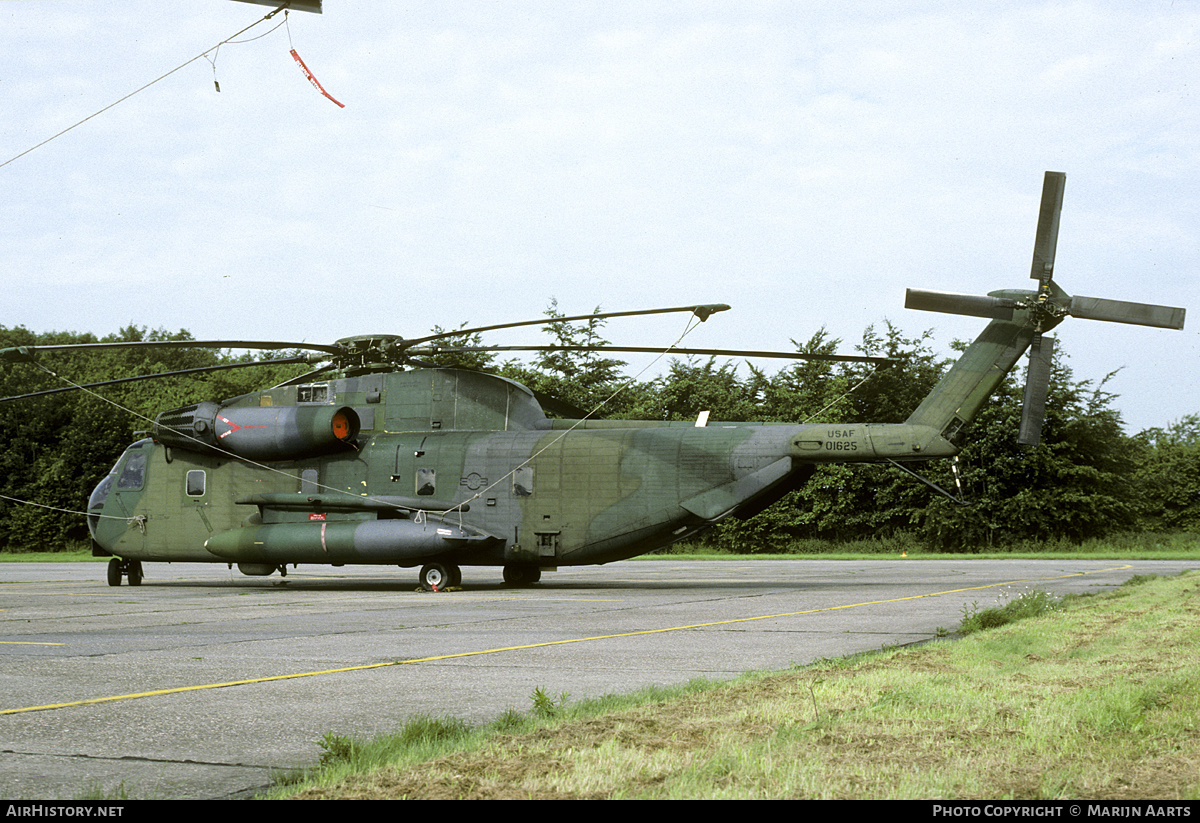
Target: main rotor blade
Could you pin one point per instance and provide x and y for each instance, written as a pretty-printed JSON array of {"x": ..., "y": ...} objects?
[
  {"x": 834, "y": 358},
  {"x": 179, "y": 344},
  {"x": 1118, "y": 311},
  {"x": 178, "y": 373},
  {"x": 701, "y": 311},
  {"x": 972, "y": 305},
  {"x": 1037, "y": 386},
  {"x": 1046, "y": 241}
]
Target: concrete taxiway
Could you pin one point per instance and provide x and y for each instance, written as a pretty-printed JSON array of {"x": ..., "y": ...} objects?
[{"x": 202, "y": 682}]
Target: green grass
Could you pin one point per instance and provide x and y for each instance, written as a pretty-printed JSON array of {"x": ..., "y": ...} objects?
[
  {"x": 426, "y": 738},
  {"x": 1029, "y": 604},
  {"x": 1174, "y": 546},
  {"x": 66, "y": 556},
  {"x": 1088, "y": 697}
]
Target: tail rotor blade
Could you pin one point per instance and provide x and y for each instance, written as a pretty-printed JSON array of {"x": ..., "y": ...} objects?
[
  {"x": 1046, "y": 241},
  {"x": 973, "y": 305},
  {"x": 1037, "y": 386},
  {"x": 1119, "y": 311}
]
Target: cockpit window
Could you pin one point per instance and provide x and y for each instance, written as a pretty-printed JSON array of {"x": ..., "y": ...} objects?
[
  {"x": 100, "y": 493},
  {"x": 133, "y": 474}
]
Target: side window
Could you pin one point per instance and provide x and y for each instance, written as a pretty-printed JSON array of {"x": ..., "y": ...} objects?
[
  {"x": 426, "y": 481},
  {"x": 523, "y": 481},
  {"x": 195, "y": 483},
  {"x": 133, "y": 474},
  {"x": 313, "y": 393}
]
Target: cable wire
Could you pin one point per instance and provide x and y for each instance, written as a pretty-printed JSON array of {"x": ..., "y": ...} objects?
[{"x": 148, "y": 85}]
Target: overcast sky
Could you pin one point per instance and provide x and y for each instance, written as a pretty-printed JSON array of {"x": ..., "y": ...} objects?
[{"x": 804, "y": 162}]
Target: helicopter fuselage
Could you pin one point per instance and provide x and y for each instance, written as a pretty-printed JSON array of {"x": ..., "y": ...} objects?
[{"x": 442, "y": 465}]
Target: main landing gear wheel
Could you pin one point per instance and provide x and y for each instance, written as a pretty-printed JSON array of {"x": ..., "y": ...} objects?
[
  {"x": 440, "y": 576},
  {"x": 522, "y": 575},
  {"x": 118, "y": 568}
]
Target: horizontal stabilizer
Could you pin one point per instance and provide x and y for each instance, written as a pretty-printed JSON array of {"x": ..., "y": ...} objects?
[
  {"x": 973, "y": 305},
  {"x": 1119, "y": 311}
]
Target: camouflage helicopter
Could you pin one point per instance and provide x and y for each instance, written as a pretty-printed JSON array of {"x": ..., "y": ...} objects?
[{"x": 380, "y": 458}]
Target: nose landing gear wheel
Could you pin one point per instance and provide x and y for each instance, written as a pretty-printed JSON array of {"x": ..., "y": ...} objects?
[{"x": 118, "y": 568}]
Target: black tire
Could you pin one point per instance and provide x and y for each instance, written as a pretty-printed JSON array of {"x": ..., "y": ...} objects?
[
  {"x": 522, "y": 575},
  {"x": 437, "y": 576},
  {"x": 134, "y": 572},
  {"x": 114, "y": 572}
]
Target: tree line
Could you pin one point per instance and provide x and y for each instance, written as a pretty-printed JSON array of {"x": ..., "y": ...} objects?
[{"x": 1087, "y": 479}]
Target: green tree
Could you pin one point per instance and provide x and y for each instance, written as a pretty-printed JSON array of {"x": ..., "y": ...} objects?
[
  {"x": 470, "y": 360},
  {"x": 1076, "y": 484},
  {"x": 692, "y": 386},
  {"x": 807, "y": 390},
  {"x": 839, "y": 501},
  {"x": 1168, "y": 475},
  {"x": 856, "y": 502},
  {"x": 582, "y": 379}
]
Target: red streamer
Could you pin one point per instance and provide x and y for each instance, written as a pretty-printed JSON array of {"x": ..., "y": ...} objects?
[{"x": 313, "y": 79}]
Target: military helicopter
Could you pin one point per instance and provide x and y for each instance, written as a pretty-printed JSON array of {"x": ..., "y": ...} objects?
[{"x": 378, "y": 457}]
